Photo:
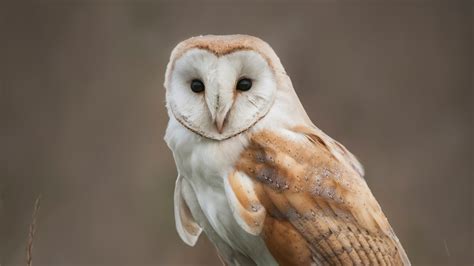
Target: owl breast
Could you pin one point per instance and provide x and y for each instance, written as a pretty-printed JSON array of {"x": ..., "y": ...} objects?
[{"x": 205, "y": 163}]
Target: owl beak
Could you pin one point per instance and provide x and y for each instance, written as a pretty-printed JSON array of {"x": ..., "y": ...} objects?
[
  {"x": 219, "y": 106},
  {"x": 219, "y": 102},
  {"x": 219, "y": 121}
]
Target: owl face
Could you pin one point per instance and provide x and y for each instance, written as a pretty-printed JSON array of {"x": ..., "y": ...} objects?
[{"x": 219, "y": 92}]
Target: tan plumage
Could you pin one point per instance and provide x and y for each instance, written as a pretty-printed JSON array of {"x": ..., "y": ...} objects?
[
  {"x": 265, "y": 185},
  {"x": 318, "y": 209}
]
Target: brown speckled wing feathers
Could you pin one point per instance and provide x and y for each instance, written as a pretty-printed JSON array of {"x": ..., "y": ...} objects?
[{"x": 319, "y": 210}]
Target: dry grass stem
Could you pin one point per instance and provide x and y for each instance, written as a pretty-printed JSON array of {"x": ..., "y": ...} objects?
[{"x": 31, "y": 233}]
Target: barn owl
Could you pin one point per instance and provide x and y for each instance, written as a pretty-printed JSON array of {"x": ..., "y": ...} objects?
[{"x": 265, "y": 185}]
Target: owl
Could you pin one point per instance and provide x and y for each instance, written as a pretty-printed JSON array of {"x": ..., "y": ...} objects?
[{"x": 265, "y": 184}]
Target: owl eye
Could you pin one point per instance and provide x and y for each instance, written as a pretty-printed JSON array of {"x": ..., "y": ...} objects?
[
  {"x": 244, "y": 84},
  {"x": 197, "y": 86}
]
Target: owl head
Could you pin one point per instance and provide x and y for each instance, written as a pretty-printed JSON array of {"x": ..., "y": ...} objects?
[{"x": 220, "y": 86}]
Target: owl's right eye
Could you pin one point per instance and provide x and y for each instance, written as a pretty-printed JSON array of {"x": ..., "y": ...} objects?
[{"x": 197, "y": 86}]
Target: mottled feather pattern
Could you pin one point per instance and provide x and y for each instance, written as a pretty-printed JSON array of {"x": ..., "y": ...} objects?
[
  {"x": 265, "y": 185},
  {"x": 318, "y": 210}
]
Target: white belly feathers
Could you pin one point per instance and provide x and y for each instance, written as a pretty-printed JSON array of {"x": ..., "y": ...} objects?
[{"x": 204, "y": 164}]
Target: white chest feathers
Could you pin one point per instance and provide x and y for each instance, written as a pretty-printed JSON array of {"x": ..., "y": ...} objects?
[{"x": 202, "y": 165}]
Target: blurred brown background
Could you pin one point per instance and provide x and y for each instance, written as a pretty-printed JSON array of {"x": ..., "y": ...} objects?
[{"x": 83, "y": 118}]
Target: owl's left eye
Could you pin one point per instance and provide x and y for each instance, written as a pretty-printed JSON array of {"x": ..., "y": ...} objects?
[
  {"x": 197, "y": 86},
  {"x": 244, "y": 84}
]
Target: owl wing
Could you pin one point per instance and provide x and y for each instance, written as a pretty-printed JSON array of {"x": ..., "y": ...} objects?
[
  {"x": 310, "y": 205},
  {"x": 188, "y": 229}
]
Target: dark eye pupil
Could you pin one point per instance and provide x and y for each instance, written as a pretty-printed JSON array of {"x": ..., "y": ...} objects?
[
  {"x": 197, "y": 85},
  {"x": 244, "y": 84}
]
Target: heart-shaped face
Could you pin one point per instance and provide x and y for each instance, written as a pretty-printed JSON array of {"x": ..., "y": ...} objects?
[{"x": 220, "y": 95}]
